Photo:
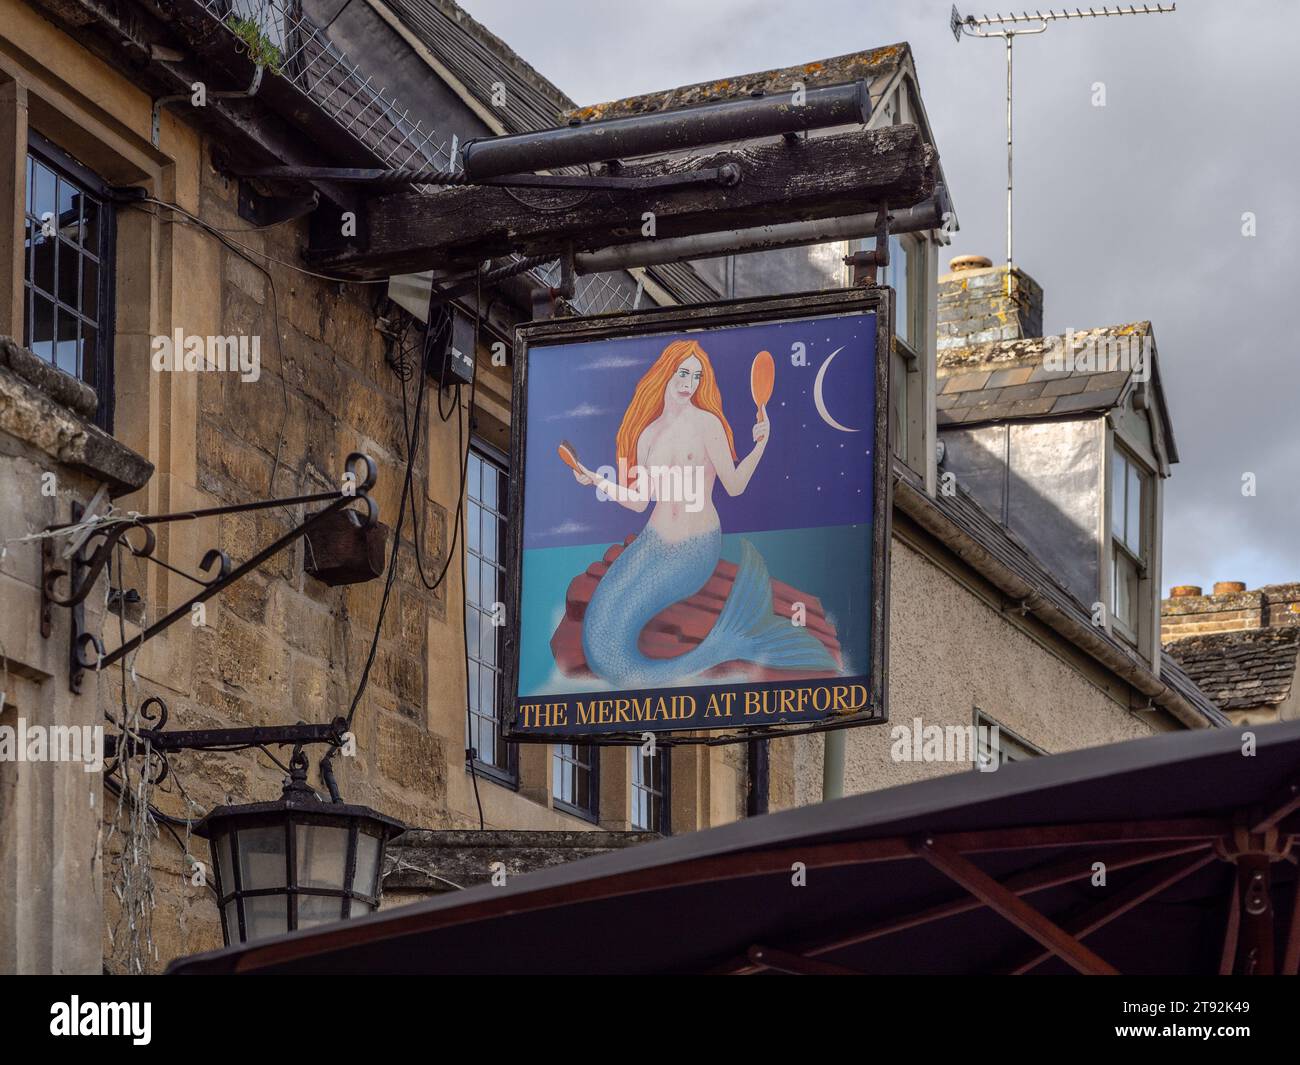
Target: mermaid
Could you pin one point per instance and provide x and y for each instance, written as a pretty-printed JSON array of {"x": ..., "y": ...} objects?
[{"x": 675, "y": 435}]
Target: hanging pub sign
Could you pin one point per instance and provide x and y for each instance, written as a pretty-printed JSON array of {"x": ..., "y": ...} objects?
[{"x": 699, "y": 518}]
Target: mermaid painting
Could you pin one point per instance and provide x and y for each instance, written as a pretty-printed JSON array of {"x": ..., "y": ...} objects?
[{"x": 674, "y": 437}]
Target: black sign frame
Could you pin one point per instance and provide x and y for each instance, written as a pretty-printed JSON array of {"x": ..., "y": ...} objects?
[{"x": 836, "y": 302}]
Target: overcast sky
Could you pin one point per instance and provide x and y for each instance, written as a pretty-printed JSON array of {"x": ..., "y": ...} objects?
[{"x": 1124, "y": 212}]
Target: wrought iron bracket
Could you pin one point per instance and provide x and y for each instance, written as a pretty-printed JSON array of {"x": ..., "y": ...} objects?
[
  {"x": 154, "y": 739},
  {"x": 866, "y": 263},
  {"x": 83, "y": 568}
]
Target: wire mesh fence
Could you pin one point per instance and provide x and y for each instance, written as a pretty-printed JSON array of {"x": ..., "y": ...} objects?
[{"x": 277, "y": 35}]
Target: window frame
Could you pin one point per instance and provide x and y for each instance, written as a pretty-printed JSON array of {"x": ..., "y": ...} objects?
[
  {"x": 66, "y": 167},
  {"x": 1117, "y": 546},
  {"x": 506, "y": 775},
  {"x": 659, "y": 803},
  {"x": 591, "y": 750},
  {"x": 1021, "y": 749}
]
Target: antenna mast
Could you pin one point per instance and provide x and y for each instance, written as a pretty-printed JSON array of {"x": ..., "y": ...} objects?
[{"x": 1037, "y": 22}]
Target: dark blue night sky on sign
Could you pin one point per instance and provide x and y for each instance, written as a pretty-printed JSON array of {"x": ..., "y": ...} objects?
[{"x": 813, "y": 474}]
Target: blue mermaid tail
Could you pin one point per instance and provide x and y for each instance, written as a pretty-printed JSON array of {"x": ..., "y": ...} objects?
[{"x": 651, "y": 575}]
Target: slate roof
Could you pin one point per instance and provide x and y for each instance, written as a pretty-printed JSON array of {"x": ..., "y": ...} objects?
[
  {"x": 1242, "y": 669},
  {"x": 683, "y": 625},
  {"x": 1012, "y": 379},
  {"x": 875, "y": 66}
]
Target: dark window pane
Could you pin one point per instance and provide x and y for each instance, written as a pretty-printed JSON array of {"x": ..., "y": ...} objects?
[
  {"x": 472, "y": 566},
  {"x": 1117, "y": 479},
  {"x": 69, "y": 282},
  {"x": 474, "y": 701},
  {"x": 472, "y": 522},
  {"x": 41, "y": 339},
  {"x": 43, "y": 187},
  {"x": 30, "y": 183},
  {"x": 66, "y": 356},
  {"x": 471, "y": 631},
  {"x": 90, "y": 210},
  {"x": 68, "y": 208},
  {"x": 89, "y": 354},
  {"x": 89, "y": 288},
  {"x": 1133, "y": 531},
  {"x": 487, "y": 691},
  {"x": 43, "y": 262}
]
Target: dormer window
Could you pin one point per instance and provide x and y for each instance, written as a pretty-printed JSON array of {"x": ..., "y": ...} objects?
[{"x": 1130, "y": 507}]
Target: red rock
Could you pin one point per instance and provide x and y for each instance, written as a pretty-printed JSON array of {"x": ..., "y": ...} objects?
[{"x": 683, "y": 625}]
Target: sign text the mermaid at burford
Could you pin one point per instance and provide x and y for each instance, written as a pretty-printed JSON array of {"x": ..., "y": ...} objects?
[{"x": 699, "y": 519}]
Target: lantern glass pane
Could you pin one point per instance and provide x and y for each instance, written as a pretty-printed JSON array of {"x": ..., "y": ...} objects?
[
  {"x": 232, "y": 922},
  {"x": 322, "y": 852},
  {"x": 367, "y": 864},
  {"x": 319, "y": 909},
  {"x": 360, "y": 908},
  {"x": 225, "y": 867},
  {"x": 261, "y": 857},
  {"x": 266, "y": 915}
]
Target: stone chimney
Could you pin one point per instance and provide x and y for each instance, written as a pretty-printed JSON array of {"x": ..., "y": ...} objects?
[
  {"x": 975, "y": 307},
  {"x": 1230, "y": 608}
]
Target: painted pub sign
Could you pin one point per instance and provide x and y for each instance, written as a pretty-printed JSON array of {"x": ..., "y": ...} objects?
[{"x": 699, "y": 518}]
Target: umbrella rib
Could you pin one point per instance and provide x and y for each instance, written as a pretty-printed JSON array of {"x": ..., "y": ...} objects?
[
  {"x": 782, "y": 961},
  {"x": 1278, "y": 808},
  {"x": 1039, "y": 878},
  {"x": 1101, "y": 914},
  {"x": 1013, "y": 908},
  {"x": 1230, "y": 930}
]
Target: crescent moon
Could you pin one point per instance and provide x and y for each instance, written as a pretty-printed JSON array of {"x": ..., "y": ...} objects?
[{"x": 820, "y": 400}]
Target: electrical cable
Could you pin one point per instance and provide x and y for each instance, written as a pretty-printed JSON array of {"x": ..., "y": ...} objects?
[{"x": 196, "y": 220}]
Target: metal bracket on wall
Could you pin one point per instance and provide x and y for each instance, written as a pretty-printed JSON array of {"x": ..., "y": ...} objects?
[
  {"x": 262, "y": 210},
  {"x": 865, "y": 263},
  {"x": 151, "y": 740},
  {"x": 83, "y": 568},
  {"x": 155, "y": 125}
]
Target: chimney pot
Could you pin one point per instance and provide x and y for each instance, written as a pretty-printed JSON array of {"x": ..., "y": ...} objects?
[
  {"x": 1229, "y": 587},
  {"x": 969, "y": 262},
  {"x": 1181, "y": 591}
]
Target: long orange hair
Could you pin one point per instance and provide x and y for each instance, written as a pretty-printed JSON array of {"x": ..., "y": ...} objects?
[{"x": 648, "y": 401}]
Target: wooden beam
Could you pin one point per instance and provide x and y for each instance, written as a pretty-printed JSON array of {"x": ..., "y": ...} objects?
[
  {"x": 1255, "y": 948},
  {"x": 1010, "y": 906},
  {"x": 1230, "y": 929},
  {"x": 785, "y": 180},
  {"x": 1102, "y": 913},
  {"x": 784, "y": 962}
]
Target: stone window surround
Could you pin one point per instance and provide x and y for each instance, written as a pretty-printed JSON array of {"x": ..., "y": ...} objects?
[
  {"x": 54, "y": 159},
  {"x": 33, "y": 98}
]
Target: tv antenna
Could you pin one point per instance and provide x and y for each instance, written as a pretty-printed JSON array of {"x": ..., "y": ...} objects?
[{"x": 1009, "y": 27}]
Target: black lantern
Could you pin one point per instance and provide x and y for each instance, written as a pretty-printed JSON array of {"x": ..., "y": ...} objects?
[{"x": 295, "y": 863}]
